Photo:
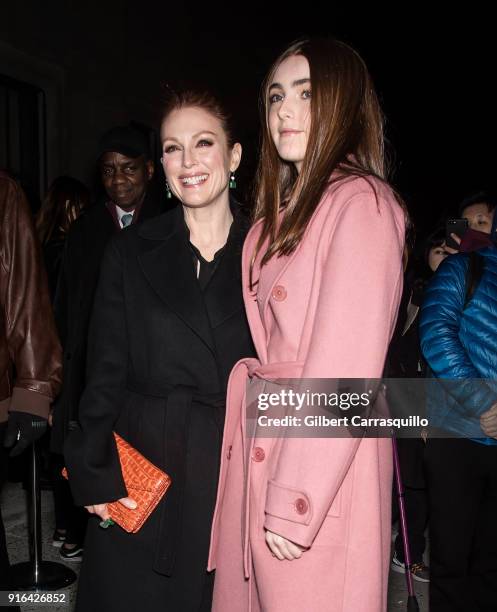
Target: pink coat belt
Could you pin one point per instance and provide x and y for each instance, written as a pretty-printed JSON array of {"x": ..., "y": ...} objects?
[{"x": 246, "y": 369}]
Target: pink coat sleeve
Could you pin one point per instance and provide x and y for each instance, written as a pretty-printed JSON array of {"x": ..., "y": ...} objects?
[{"x": 360, "y": 290}]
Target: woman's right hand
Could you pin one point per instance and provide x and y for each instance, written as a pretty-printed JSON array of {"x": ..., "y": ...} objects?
[
  {"x": 451, "y": 250},
  {"x": 101, "y": 509},
  {"x": 282, "y": 548}
]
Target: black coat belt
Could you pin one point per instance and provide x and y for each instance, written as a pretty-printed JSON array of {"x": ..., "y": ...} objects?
[{"x": 176, "y": 427}]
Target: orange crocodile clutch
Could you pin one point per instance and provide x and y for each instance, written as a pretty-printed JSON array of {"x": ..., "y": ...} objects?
[{"x": 145, "y": 483}]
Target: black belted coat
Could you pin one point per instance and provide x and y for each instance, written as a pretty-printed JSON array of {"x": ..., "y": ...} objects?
[{"x": 160, "y": 353}]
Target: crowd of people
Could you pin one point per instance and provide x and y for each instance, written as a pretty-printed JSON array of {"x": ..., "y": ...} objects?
[{"x": 123, "y": 317}]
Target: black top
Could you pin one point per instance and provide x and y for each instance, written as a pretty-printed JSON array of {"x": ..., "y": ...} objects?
[
  {"x": 52, "y": 254},
  {"x": 204, "y": 269}
]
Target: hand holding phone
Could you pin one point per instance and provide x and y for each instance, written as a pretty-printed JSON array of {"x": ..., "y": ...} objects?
[{"x": 457, "y": 227}]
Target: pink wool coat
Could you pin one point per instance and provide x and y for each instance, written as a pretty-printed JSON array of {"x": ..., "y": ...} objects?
[{"x": 326, "y": 311}]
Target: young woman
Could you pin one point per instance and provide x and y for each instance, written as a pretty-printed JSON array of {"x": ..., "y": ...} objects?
[
  {"x": 405, "y": 360},
  {"x": 65, "y": 201},
  {"x": 304, "y": 524},
  {"x": 168, "y": 326}
]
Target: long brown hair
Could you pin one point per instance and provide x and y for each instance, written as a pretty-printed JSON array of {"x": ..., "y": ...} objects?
[
  {"x": 64, "y": 202},
  {"x": 346, "y": 135}
]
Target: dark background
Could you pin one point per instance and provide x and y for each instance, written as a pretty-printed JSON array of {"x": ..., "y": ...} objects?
[{"x": 97, "y": 64}]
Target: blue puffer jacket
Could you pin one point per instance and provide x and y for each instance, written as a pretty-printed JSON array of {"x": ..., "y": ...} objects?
[{"x": 461, "y": 343}]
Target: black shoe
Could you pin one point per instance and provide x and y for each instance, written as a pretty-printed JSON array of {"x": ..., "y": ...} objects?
[
  {"x": 71, "y": 554},
  {"x": 58, "y": 538},
  {"x": 419, "y": 571}
]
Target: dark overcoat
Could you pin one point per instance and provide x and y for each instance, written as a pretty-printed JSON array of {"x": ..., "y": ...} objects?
[
  {"x": 80, "y": 269},
  {"x": 160, "y": 353}
]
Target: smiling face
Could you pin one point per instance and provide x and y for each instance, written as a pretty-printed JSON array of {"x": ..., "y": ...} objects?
[
  {"x": 196, "y": 158},
  {"x": 289, "y": 116},
  {"x": 125, "y": 179},
  {"x": 479, "y": 217}
]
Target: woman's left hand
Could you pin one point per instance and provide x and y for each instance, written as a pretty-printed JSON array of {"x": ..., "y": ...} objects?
[{"x": 283, "y": 548}]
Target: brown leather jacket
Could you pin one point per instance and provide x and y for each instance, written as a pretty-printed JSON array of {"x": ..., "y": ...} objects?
[{"x": 29, "y": 345}]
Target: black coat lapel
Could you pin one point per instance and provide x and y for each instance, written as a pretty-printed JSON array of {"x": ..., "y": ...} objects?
[{"x": 169, "y": 270}]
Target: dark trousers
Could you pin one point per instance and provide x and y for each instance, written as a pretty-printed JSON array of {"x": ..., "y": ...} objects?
[
  {"x": 72, "y": 518},
  {"x": 462, "y": 489},
  {"x": 411, "y": 453},
  {"x": 416, "y": 507},
  {"x": 4, "y": 557}
]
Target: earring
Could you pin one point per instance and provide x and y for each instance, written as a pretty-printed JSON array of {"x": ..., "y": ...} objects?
[
  {"x": 169, "y": 195},
  {"x": 232, "y": 181}
]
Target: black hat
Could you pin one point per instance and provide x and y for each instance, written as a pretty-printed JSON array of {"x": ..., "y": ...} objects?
[{"x": 126, "y": 140}]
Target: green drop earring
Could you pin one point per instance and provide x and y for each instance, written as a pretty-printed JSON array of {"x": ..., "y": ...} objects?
[
  {"x": 232, "y": 181},
  {"x": 169, "y": 195}
]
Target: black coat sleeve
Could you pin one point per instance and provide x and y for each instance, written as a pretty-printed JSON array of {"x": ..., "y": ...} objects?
[
  {"x": 61, "y": 295},
  {"x": 90, "y": 451},
  {"x": 70, "y": 272}
]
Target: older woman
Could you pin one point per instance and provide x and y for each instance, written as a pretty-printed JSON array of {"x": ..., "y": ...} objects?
[{"x": 168, "y": 326}]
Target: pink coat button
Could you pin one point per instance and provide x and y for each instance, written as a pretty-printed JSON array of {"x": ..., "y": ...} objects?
[
  {"x": 258, "y": 454},
  {"x": 301, "y": 506},
  {"x": 279, "y": 293}
]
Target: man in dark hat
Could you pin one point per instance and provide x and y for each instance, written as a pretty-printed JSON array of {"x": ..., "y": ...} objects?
[{"x": 126, "y": 169}]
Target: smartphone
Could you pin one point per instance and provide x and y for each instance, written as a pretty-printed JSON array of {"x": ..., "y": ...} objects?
[{"x": 455, "y": 226}]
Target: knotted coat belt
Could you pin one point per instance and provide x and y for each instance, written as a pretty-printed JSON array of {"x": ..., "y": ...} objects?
[
  {"x": 180, "y": 400},
  {"x": 244, "y": 371}
]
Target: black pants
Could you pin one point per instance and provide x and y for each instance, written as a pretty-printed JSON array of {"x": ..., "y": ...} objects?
[
  {"x": 72, "y": 518},
  {"x": 411, "y": 454},
  {"x": 462, "y": 489},
  {"x": 416, "y": 507},
  {"x": 4, "y": 557}
]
